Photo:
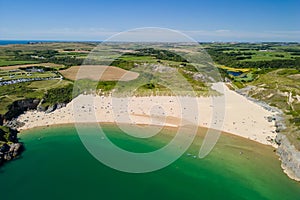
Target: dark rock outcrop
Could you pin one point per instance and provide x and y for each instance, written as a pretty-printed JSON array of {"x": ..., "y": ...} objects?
[
  {"x": 10, "y": 147},
  {"x": 60, "y": 105},
  {"x": 10, "y": 151},
  {"x": 19, "y": 107},
  {"x": 1, "y": 120},
  {"x": 52, "y": 108}
]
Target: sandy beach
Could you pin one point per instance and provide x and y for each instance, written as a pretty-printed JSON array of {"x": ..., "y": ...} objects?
[{"x": 238, "y": 115}]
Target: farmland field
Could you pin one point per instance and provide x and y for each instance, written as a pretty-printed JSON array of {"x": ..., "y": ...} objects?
[{"x": 15, "y": 62}]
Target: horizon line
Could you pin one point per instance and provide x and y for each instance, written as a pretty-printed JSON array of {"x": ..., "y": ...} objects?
[{"x": 212, "y": 41}]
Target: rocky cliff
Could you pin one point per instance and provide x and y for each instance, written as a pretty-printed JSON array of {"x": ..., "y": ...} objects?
[
  {"x": 10, "y": 151},
  {"x": 289, "y": 156},
  {"x": 20, "y": 106},
  {"x": 10, "y": 147}
]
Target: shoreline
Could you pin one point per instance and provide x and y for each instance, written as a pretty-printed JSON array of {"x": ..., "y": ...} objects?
[
  {"x": 255, "y": 156},
  {"x": 289, "y": 157},
  {"x": 226, "y": 134},
  {"x": 285, "y": 147},
  {"x": 289, "y": 173},
  {"x": 252, "y": 123},
  {"x": 256, "y": 127}
]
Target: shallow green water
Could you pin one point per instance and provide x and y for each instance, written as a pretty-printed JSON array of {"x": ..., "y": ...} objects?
[{"x": 56, "y": 165}]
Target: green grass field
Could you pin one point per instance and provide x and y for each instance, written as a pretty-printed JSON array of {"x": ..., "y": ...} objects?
[
  {"x": 49, "y": 84},
  {"x": 139, "y": 58},
  {"x": 15, "y": 62},
  {"x": 264, "y": 55}
]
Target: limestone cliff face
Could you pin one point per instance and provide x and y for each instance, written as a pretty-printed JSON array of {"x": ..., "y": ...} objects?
[{"x": 289, "y": 156}]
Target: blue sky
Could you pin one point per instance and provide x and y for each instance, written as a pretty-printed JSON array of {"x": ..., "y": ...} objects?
[{"x": 214, "y": 20}]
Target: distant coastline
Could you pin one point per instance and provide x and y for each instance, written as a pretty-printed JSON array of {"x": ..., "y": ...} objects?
[{"x": 10, "y": 42}]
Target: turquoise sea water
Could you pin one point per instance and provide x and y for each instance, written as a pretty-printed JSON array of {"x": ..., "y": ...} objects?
[{"x": 56, "y": 165}]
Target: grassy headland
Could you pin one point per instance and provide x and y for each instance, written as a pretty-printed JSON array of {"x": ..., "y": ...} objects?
[{"x": 269, "y": 72}]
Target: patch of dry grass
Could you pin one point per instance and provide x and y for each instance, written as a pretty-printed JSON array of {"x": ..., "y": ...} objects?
[{"x": 98, "y": 72}]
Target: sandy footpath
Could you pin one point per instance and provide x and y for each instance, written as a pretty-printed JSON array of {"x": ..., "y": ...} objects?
[{"x": 232, "y": 113}]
